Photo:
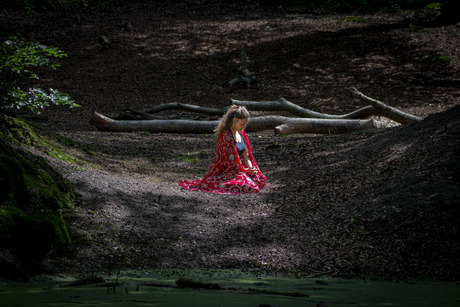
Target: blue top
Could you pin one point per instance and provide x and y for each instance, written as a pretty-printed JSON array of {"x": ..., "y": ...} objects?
[{"x": 240, "y": 147}]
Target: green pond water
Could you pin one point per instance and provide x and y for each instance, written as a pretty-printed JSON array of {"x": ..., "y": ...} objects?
[{"x": 234, "y": 288}]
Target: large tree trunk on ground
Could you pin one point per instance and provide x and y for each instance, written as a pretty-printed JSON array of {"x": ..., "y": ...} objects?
[
  {"x": 324, "y": 126},
  {"x": 105, "y": 123},
  {"x": 287, "y": 125}
]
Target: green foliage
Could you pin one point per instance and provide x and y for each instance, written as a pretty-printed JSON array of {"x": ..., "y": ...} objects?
[
  {"x": 36, "y": 99},
  {"x": 433, "y": 9},
  {"x": 440, "y": 59},
  {"x": 18, "y": 59},
  {"x": 32, "y": 6},
  {"x": 394, "y": 8}
]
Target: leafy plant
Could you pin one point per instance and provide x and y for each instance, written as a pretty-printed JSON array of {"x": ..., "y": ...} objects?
[
  {"x": 394, "y": 8},
  {"x": 440, "y": 59},
  {"x": 33, "y": 6},
  {"x": 18, "y": 59},
  {"x": 18, "y": 55},
  {"x": 433, "y": 9}
]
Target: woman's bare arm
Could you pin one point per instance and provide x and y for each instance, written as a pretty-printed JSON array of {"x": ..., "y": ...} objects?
[{"x": 247, "y": 162}]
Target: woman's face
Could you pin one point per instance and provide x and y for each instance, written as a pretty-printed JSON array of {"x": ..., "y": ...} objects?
[{"x": 239, "y": 124}]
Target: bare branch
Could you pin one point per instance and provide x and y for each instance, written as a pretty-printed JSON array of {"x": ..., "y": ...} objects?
[
  {"x": 186, "y": 107},
  {"x": 385, "y": 110},
  {"x": 284, "y": 105}
]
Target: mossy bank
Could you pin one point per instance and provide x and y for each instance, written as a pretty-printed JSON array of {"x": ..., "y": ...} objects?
[{"x": 33, "y": 197}]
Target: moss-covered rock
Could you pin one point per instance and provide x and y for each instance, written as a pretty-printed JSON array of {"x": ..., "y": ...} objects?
[
  {"x": 22, "y": 132},
  {"x": 32, "y": 198}
]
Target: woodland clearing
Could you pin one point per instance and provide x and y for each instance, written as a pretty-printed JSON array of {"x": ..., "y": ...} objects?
[{"x": 382, "y": 202}]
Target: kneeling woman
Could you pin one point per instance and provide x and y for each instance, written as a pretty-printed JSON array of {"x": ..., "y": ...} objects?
[{"x": 233, "y": 170}]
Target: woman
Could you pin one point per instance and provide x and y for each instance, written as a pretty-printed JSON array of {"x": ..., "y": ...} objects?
[{"x": 233, "y": 170}]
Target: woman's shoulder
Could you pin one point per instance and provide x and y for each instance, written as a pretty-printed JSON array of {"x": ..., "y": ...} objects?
[{"x": 225, "y": 135}]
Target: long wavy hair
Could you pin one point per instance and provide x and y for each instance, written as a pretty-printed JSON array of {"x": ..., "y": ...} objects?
[{"x": 227, "y": 120}]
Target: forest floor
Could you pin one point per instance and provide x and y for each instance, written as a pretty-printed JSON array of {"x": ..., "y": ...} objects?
[{"x": 374, "y": 203}]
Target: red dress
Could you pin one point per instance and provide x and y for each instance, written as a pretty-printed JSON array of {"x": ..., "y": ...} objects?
[{"x": 227, "y": 174}]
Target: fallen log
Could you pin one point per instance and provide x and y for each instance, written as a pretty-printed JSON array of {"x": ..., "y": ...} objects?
[
  {"x": 186, "y": 107},
  {"x": 327, "y": 126},
  {"x": 278, "y": 105},
  {"x": 292, "y": 125},
  {"x": 130, "y": 114},
  {"x": 289, "y": 125},
  {"x": 284, "y": 105},
  {"x": 104, "y": 123},
  {"x": 387, "y": 111},
  {"x": 310, "y": 121},
  {"x": 375, "y": 108}
]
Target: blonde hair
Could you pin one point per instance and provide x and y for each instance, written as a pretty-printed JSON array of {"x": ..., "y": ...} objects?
[{"x": 227, "y": 120}]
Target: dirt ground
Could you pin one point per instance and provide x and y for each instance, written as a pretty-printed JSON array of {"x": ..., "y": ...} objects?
[{"x": 375, "y": 203}]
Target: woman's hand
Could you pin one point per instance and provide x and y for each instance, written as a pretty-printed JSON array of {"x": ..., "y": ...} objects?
[{"x": 251, "y": 171}]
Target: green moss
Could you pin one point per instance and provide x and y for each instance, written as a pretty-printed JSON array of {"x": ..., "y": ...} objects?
[
  {"x": 187, "y": 159},
  {"x": 440, "y": 59},
  {"x": 31, "y": 236},
  {"x": 192, "y": 157},
  {"x": 31, "y": 134},
  {"x": 353, "y": 19},
  {"x": 415, "y": 28},
  {"x": 32, "y": 199}
]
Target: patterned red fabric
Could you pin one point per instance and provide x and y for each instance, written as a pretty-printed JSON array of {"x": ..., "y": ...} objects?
[{"x": 227, "y": 174}]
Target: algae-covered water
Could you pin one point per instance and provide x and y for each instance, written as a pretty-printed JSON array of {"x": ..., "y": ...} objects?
[{"x": 222, "y": 288}]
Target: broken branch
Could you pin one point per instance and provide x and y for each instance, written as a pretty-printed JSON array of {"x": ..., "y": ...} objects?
[
  {"x": 327, "y": 126},
  {"x": 284, "y": 105},
  {"x": 186, "y": 107},
  {"x": 385, "y": 110}
]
